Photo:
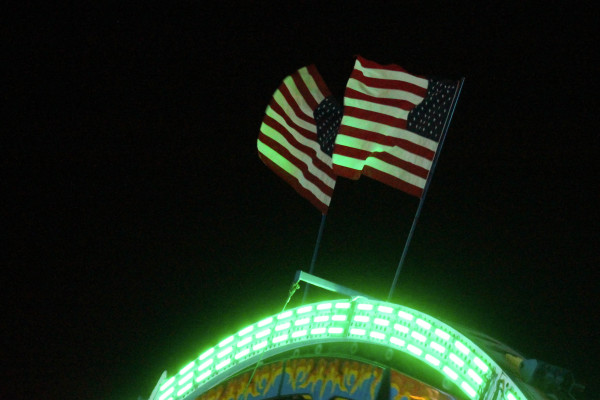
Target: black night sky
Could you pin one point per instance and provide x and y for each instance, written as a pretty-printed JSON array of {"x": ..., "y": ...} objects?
[{"x": 141, "y": 226}]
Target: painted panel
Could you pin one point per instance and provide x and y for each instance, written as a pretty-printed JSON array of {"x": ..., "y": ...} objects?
[
  {"x": 325, "y": 378},
  {"x": 264, "y": 384},
  {"x": 403, "y": 387}
]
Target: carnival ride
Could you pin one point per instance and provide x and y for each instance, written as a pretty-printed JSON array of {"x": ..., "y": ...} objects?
[{"x": 358, "y": 348}]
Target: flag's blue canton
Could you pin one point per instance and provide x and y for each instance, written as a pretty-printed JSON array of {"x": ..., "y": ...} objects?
[
  {"x": 428, "y": 118},
  {"x": 328, "y": 116}
]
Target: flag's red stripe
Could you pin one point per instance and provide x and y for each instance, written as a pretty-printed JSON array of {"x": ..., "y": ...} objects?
[
  {"x": 299, "y": 164},
  {"x": 384, "y": 156},
  {"x": 389, "y": 84},
  {"x": 369, "y": 136},
  {"x": 393, "y": 181},
  {"x": 389, "y": 67},
  {"x": 319, "y": 80},
  {"x": 293, "y": 182},
  {"x": 402, "y": 104},
  {"x": 310, "y": 152},
  {"x": 346, "y": 172},
  {"x": 276, "y": 107},
  {"x": 294, "y": 105},
  {"x": 308, "y": 97},
  {"x": 375, "y": 117}
]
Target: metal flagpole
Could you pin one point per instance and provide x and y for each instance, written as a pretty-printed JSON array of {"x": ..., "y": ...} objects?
[
  {"x": 429, "y": 177},
  {"x": 315, "y": 252}
]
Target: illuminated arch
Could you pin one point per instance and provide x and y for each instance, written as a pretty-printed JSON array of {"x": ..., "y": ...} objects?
[{"x": 361, "y": 320}]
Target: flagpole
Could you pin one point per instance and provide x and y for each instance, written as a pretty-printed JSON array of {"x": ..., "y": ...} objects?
[
  {"x": 315, "y": 252},
  {"x": 429, "y": 177}
]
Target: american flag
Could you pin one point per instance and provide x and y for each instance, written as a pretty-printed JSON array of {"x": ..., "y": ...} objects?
[
  {"x": 297, "y": 135},
  {"x": 392, "y": 125}
]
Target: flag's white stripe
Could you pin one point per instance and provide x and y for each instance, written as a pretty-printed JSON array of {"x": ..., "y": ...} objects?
[
  {"x": 294, "y": 171},
  {"x": 388, "y": 130},
  {"x": 373, "y": 147},
  {"x": 395, "y": 94},
  {"x": 311, "y": 85},
  {"x": 390, "y": 74},
  {"x": 300, "y": 100},
  {"x": 380, "y": 165},
  {"x": 287, "y": 108},
  {"x": 313, "y": 144},
  {"x": 300, "y": 155},
  {"x": 395, "y": 112},
  {"x": 396, "y": 171}
]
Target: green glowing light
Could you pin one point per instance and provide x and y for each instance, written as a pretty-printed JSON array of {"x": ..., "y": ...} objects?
[
  {"x": 286, "y": 314},
  {"x": 186, "y": 378},
  {"x": 242, "y": 354},
  {"x": 470, "y": 391},
  {"x": 377, "y": 335},
  {"x": 304, "y": 310},
  {"x": 203, "y": 376},
  {"x": 440, "y": 333},
  {"x": 405, "y": 315},
  {"x": 484, "y": 368},
  {"x": 184, "y": 389},
  {"x": 421, "y": 336},
  {"x": 167, "y": 393},
  {"x": 302, "y": 321},
  {"x": 206, "y": 354},
  {"x": 205, "y": 365},
  {"x": 418, "y": 336},
  {"x": 280, "y": 338},
  {"x": 463, "y": 349},
  {"x": 423, "y": 324},
  {"x": 187, "y": 368},
  {"x": 358, "y": 332},
  {"x": 225, "y": 352},
  {"x": 167, "y": 384},
  {"x": 361, "y": 318},
  {"x": 226, "y": 341},
  {"x": 456, "y": 359},
  {"x": 282, "y": 327},
  {"x": 437, "y": 347},
  {"x": 414, "y": 350},
  {"x": 432, "y": 359},
  {"x": 259, "y": 345},
  {"x": 450, "y": 373},
  {"x": 474, "y": 376},
  {"x": 385, "y": 309},
  {"x": 263, "y": 333},
  {"x": 298, "y": 334},
  {"x": 246, "y": 330},
  {"x": 222, "y": 364}
]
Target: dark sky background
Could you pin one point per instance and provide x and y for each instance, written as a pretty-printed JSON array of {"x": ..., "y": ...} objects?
[{"x": 142, "y": 226}]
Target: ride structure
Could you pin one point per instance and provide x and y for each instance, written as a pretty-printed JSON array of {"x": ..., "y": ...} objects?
[{"x": 358, "y": 348}]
